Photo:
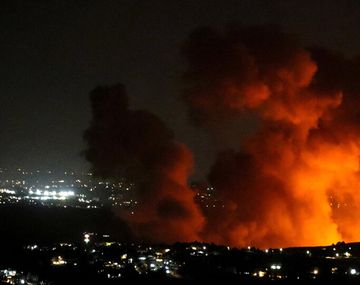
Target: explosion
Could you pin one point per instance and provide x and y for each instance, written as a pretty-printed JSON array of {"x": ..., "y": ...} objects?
[{"x": 295, "y": 180}]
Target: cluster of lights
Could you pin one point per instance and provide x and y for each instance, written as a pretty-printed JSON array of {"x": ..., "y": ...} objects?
[
  {"x": 198, "y": 250},
  {"x": 275, "y": 267},
  {"x": 58, "y": 261},
  {"x": 148, "y": 259},
  {"x": 49, "y": 195},
  {"x": 13, "y": 277},
  {"x": 7, "y": 191},
  {"x": 48, "y": 190},
  {"x": 86, "y": 238}
]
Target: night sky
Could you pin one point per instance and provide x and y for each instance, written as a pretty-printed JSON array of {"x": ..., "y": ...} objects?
[{"x": 53, "y": 53}]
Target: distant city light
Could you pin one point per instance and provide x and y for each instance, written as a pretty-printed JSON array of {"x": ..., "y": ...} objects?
[
  {"x": 58, "y": 261},
  {"x": 86, "y": 238}
]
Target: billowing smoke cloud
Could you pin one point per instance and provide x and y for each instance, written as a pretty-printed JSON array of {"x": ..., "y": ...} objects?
[
  {"x": 295, "y": 181},
  {"x": 135, "y": 144}
]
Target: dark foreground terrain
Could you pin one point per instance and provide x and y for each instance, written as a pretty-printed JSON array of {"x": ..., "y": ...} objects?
[{"x": 41, "y": 245}]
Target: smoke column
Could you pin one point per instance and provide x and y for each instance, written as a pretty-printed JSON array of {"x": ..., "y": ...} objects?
[
  {"x": 135, "y": 144},
  {"x": 295, "y": 180}
]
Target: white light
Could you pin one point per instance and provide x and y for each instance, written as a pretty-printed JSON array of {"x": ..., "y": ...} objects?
[
  {"x": 281, "y": 249},
  {"x": 22, "y": 281},
  {"x": 66, "y": 193},
  {"x": 308, "y": 252},
  {"x": 316, "y": 271},
  {"x": 7, "y": 191},
  {"x": 266, "y": 250},
  {"x": 275, "y": 266},
  {"x": 352, "y": 271}
]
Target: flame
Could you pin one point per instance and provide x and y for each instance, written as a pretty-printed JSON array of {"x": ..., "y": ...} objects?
[{"x": 295, "y": 180}]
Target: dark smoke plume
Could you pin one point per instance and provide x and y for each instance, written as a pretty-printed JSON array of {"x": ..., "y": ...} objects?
[
  {"x": 135, "y": 144},
  {"x": 294, "y": 180}
]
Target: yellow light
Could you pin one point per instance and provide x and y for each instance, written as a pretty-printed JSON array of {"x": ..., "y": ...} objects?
[{"x": 58, "y": 261}]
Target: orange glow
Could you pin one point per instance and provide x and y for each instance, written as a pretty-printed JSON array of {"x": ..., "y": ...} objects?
[
  {"x": 295, "y": 180},
  {"x": 171, "y": 210}
]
